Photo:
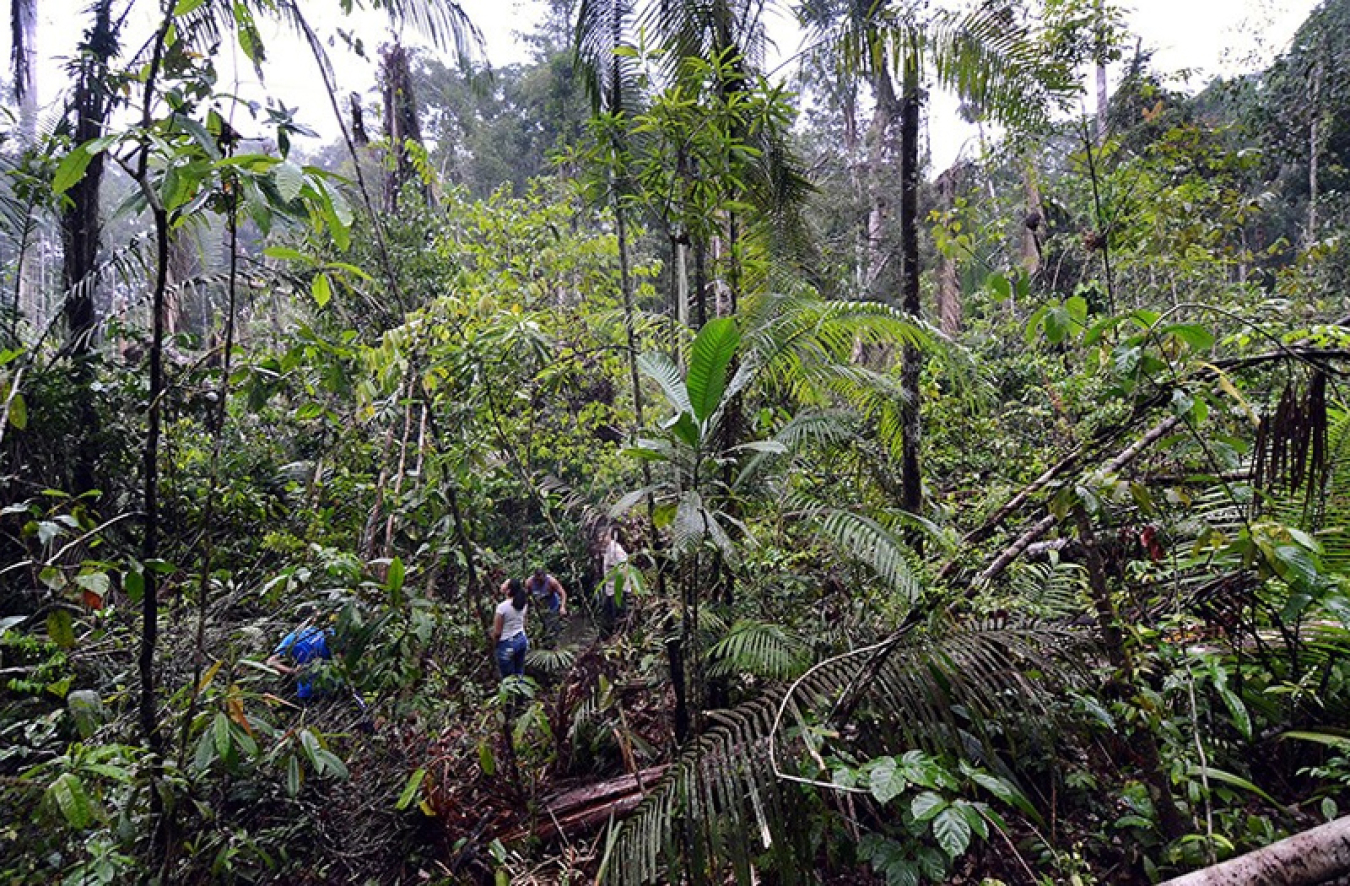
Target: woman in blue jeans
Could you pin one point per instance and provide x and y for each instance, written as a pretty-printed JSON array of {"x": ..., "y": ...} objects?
[{"x": 508, "y": 629}]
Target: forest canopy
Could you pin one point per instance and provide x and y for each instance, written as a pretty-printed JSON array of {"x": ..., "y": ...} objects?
[{"x": 640, "y": 463}]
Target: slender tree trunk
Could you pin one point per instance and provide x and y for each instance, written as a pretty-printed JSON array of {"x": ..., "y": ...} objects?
[
  {"x": 1103, "y": 100},
  {"x": 880, "y": 154},
  {"x": 28, "y": 289},
  {"x": 80, "y": 234},
  {"x": 150, "y": 504},
  {"x": 948, "y": 273},
  {"x": 700, "y": 282},
  {"x": 910, "y": 425},
  {"x": 1314, "y": 150},
  {"x": 681, "y": 274}
]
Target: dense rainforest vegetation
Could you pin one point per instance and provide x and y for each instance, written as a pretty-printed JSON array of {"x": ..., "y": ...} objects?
[{"x": 985, "y": 524}]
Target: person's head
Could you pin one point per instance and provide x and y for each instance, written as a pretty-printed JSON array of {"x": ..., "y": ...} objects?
[
  {"x": 539, "y": 573},
  {"x": 520, "y": 598}
]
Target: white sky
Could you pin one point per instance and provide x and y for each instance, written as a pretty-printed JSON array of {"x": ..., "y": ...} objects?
[{"x": 1208, "y": 36}]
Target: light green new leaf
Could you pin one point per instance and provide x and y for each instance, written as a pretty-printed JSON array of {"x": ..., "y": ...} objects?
[
  {"x": 713, "y": 349},
  {"x": 60, "y": 628},
  {"x": 410, "y": 789},
  {"x": 286, "y": 253},
  {"x": 322, "y": 288},
  {"x": 18, "y": 412},
  {"x": 394, "y": 581}
]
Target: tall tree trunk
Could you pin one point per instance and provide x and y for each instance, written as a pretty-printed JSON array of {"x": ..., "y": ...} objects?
[
  {"x": 1314, "y": 150},
  {"x": 80, "y": 231},
  {"x": 400, "y": 122},
  {"x": 1099, "y": 57},
  {"x": 881, "y": 151},
  {"x": 911, "y": 484},
  {"x": 948, "y": 273},
  {"x": 23, "y": 18}
]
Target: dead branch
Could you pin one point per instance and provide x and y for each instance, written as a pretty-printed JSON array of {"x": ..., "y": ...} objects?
[{"x": 1315, "y": 856}]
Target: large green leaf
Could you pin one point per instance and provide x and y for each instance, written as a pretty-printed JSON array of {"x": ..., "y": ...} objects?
[
  {"x": 659, "y": 368},
  {"x": 952, "y": 831},
  {"x": 68, "y": 794},
  {"x": 713, "y": 349},
  {"x": 71, "y": 170}
]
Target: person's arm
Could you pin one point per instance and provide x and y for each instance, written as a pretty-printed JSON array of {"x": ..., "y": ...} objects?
[
  {"x": 277, "y": 663},
  {"x": 497, "y": 628},
  {"x": 562, "y": 595}
]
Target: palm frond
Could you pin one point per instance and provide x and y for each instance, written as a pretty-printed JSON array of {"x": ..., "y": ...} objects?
[
  {"x": 761, "y": 649},
  {"x": 552, "y": 662},
  {"x": 601, "y": 31},
  {"x": 864, "y": 539},
  {"x": 730, "y": 795},
  {"x": 1049, "y": 590},
  {"x": 660, "y": 369}
]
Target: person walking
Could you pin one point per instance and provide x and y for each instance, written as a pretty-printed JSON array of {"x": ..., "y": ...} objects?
[
  {"x": 615, "y": 570},
  {"x": 508, "y": 629}
]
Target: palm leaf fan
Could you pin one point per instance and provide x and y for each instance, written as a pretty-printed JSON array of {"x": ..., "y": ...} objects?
[{"x": 731, "y": 797}]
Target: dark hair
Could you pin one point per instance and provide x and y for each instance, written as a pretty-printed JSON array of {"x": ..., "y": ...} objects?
[
  {"x": 539, "y": 571},
  {"x": 520, "y": 598}
]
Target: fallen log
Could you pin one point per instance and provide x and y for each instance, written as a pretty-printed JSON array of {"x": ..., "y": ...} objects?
[
  {"x": 1312, "y": 857},
  {"x": 588, "y": 807}
]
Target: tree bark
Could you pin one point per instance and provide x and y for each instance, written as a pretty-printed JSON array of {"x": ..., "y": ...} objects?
[
  {"x": 400, "y": 122},
  {"x": 949, "y": 280},
  {"x": 1315, "y": 856},
  {"x": 911, "y": 485},
  {"x": 80, "y": 233},
  {"x": 1314, "y": 151},
  {"x": 1099, "y": 54},
  {"x": 880, "y": 150}
]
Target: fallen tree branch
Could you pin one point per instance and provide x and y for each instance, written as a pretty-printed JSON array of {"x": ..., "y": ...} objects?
[
  {"x": 1046, "y": 523},
  {"x": 1306, "y": 859}
]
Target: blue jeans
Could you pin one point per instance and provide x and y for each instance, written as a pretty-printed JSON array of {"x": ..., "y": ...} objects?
[{"x": 511, "y": 654}]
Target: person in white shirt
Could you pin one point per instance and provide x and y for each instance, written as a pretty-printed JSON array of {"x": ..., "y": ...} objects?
[
  {"x": 615, "y": 561},
  {"x": 508, "y": 629}
]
